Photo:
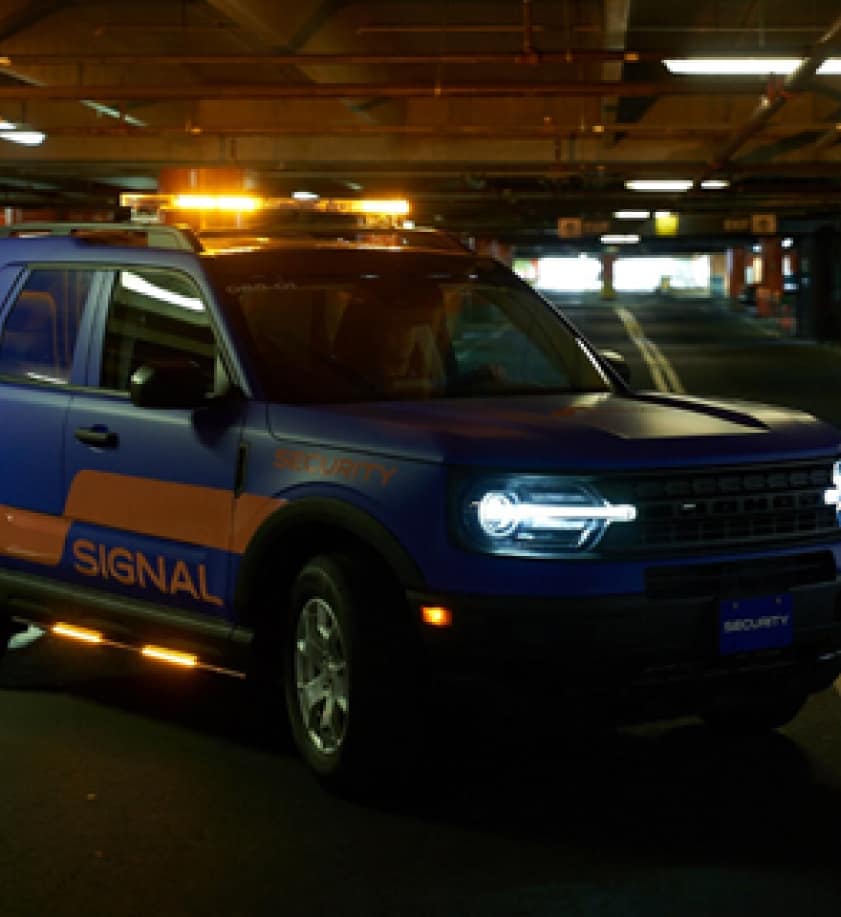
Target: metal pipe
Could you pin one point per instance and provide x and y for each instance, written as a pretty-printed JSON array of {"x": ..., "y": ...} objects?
[
  {"x": 633, "y": 130},
  {"x": 573, "y": 55},
  {"x": 569, "y": 89}
]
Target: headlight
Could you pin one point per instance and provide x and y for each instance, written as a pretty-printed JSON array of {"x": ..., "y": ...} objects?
[
  {"x": 832, "y": 496},
  {"x": 537, "y": 515}
]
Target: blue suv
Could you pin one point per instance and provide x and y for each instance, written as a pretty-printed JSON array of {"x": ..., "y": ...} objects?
[{"x": 353, "y": 469}]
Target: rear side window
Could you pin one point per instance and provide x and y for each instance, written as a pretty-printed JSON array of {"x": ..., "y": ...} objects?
[
  {"x": 155, "y": 316},
  {"x": 40, "y": 332}
]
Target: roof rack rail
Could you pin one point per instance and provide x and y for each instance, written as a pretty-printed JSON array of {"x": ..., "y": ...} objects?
[{"x": 142, "y": 235}]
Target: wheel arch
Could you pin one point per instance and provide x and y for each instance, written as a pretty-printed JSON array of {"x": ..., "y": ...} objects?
[{"x": 302, "y": 529}]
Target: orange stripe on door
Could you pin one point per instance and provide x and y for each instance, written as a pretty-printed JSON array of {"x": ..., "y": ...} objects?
[
  {"x": 36, "y": 537},
  {"x": 250, "y": 511},
  {"x": 207, "y": 516}
]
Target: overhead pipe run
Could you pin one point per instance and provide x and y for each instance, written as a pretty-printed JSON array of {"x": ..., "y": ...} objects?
[
  {"x": 776, "y": 97},
  {"x": 252, "y": 91}
]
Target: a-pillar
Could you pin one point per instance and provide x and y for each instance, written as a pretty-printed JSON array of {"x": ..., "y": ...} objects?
[
  {"x": 608, "y": 259},
  {"x": 493, "y": 248},
  {"x": 735, "y": 271}
]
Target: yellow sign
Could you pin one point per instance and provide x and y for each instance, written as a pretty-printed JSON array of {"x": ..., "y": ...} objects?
[{"x": 665, "y": 224}]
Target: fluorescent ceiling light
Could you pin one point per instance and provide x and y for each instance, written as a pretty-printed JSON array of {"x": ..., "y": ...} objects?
[
  {"x": 745, "y": 66},
  {"x": 632, "y": 214},
  {"x": 659, "y": 184},
  {"x": 25, "y": 138},
  {"x": 619, "y": 239},
  {"x": 715, "y": 184},
  {"x": 304, "y": 196}
]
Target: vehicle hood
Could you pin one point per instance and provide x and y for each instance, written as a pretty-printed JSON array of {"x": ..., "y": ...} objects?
[{"x": 586, "y": 431}]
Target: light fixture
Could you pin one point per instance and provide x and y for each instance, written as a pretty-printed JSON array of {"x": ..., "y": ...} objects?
[
  {"x": 631, "y": 238},
  {"x": 632, "y": 214},
  {"x": 24, "y": 138},
  {"x": 659, "y": 184},
  {"x": 715, "y": 184},
  {"x": 305, "y": 196},
  {"x": 745, "y": 66}
]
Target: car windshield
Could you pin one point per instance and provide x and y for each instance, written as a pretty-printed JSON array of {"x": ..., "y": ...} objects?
[{"x": 336, "y": 325}]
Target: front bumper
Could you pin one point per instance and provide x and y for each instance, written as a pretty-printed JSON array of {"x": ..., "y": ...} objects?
[{"x": 654, "y": 656}]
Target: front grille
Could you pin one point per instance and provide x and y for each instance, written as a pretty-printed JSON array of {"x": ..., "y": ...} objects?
[
  {"x": 765, "y": 576},
  {"x": 723, "y": 507}
]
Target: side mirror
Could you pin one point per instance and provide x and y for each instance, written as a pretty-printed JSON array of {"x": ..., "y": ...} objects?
[
  {"x": 168, "y": 384},
  {"x": 617, "y": 363}
]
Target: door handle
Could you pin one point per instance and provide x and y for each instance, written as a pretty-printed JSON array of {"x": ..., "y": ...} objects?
[{"x": 93, "y": 436}]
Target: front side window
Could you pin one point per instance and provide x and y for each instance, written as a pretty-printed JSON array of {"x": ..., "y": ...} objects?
[
  {"x": 39, "y": 336},
  {"x": 155, "y": 316},
  {"x": 356, "y": 325}
]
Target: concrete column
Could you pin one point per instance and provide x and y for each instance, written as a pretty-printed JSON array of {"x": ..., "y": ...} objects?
[
  {"x": 735, "y": 270},
  {"x": 772, "y": 276},
  {"x": 608, "y": 259},
  {"x": 819, "y": 297}
]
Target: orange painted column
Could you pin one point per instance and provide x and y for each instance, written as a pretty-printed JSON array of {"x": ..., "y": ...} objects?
[
  {"x": 772, "y": 271},
  {"x": 735, "y": 271}
]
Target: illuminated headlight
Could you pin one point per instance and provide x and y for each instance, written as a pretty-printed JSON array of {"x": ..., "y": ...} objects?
[
  {"x": 832, "y": 496},
  {"x": 536, "y": 515}
]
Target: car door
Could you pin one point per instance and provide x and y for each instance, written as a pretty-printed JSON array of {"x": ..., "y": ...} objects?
[
  {"x": 42, "y": 343},
  {"x": 150, "y": 491}
]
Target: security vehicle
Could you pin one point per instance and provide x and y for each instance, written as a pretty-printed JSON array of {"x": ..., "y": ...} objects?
[{"x": 354, "y": 468}]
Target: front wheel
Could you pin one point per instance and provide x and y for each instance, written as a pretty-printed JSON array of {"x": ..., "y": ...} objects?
[{"x": 343, "y": 662}]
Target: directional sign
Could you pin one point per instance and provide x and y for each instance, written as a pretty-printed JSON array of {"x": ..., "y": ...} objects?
[
  {"x": 763, "y": 224},
  {"x": 569, "y": 227}
]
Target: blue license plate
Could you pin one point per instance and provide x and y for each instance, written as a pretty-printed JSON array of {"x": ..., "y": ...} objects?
[{"x": 758, "y": 623}]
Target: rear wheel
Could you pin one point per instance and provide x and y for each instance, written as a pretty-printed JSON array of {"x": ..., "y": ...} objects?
[{"x": 349, "y": 675}]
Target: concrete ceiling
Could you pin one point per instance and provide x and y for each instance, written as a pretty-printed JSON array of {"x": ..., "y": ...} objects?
[{"x": 493, "y": 117}]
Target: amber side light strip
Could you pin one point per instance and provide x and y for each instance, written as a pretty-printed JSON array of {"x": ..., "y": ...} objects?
[
  {"x": 77, "y": 633},
  {"x": 150, "y": 651},
  {"x": 174, "y": 657}
]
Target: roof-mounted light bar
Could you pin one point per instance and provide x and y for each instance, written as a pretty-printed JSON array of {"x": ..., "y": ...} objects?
[{"x": 368, "y": 209}]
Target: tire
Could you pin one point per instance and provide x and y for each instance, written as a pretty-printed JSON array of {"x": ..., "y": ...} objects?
[
  {"x": 754, "y": 715},
  {"x": 349, "y": 674}
]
